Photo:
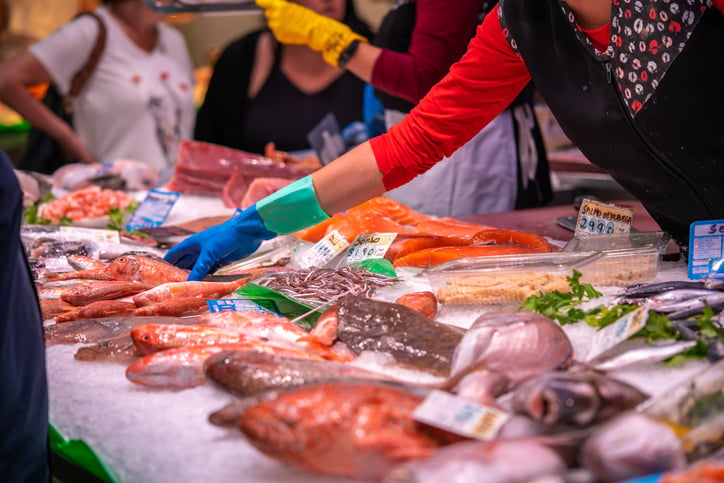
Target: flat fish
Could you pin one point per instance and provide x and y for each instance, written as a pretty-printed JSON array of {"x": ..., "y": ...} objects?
[
  {"x": 410, "y": 337},
  {"x": 250, "y": 372},
  {"x": 349, "y": 429}
]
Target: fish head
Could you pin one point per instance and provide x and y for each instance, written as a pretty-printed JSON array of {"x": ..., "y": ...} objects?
[
  {"x": 124, "y": 267},
  {"x": 558, "y": 400},
  {"x": 147, "y": 338}
]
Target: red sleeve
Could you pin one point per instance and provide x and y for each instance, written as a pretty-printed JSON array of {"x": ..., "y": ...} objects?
[
  {"x": 719, "y": 4},
  {"x": 441, "y": 33},
  {"x": 478, "y": 88}
]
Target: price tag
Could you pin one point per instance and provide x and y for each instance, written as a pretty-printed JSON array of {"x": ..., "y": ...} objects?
[
  {"x": 612, "y": 335},
  {"x": 324, "y": 251},
  {"x": 596, "y": 218},
  {"x": 706, "y": 249},
  {"x": 443, "y": 410},
  {"x": 371, "y": 245},
  {"x": 242, "y": 305},
  {"x": 153, "y": 210},
  {"x": 76, "y": 233}
]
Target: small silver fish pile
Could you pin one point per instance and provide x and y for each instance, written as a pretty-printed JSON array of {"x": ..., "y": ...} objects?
[{"x": 316, "y": 286}]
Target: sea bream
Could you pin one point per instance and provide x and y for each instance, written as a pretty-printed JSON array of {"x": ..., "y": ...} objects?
[{"x": 146, "y": 269}]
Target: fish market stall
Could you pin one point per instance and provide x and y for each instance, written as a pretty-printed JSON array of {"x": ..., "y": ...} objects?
[{"x": 398, "y": 354}]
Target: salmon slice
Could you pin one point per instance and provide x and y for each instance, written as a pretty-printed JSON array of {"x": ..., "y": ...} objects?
[
  {"x": 501, "y": 236},
  {"x": 451, "y": 227},
  {"x": 406, "y": 244},
  {"x": 389, "y": 208},
  {"x": 435, "y": 256}
]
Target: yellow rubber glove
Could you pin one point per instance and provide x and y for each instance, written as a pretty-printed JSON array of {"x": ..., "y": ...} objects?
[{"x": 294, "y": 24}]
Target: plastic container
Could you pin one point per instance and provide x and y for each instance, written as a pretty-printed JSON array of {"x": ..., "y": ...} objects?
[
  {"x": 628, "y": 258},
  {"x": 508, "y": 279}
]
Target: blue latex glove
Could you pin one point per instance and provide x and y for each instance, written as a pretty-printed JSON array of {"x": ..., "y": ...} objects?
[{"x": 220, "y": 245}]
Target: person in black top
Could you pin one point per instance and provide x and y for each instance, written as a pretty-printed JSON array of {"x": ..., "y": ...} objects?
[
  {"x": 24, "y": 453},
  {"x": 261, "y": 91}
]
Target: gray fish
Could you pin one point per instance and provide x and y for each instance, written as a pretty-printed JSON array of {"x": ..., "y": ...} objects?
[
  {"x": 499, "y": 461},
  {"x": 574, "y": 398},
  {"x": 119, "y": 348},
  {"x": 410, "y": 337},
  {"x": 632, "y": 445},
  {"x": 250, "y": 372},
  {"x": 649, "y": 289},
  {"x": 89, "y": 331}
]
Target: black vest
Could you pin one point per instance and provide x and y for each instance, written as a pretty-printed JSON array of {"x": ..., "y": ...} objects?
[{"x": 670, "y": 155}]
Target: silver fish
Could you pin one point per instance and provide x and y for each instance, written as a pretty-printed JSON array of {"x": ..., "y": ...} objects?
[{"x": 641, "y": 354}]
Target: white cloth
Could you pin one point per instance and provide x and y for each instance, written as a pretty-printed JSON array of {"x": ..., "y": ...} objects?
[
  {"x": 136, "y": 104},
  {"x": 480, "y": 177}
]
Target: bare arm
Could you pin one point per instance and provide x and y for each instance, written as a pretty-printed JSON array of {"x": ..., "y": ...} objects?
[
  {"x": 349, "y": 180},
  {"x": 363, "y": 61},
  {"x": 21, "y": 72}
]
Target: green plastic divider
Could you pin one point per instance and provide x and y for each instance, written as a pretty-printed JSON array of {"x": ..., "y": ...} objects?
[{"x": 79, "y": 453}]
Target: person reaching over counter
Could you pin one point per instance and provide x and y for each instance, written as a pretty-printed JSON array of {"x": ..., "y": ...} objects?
[
  {"x": 636, "y": 89},
  {"x": 501, "y": 168},
  {"x": 138, "y": 101},
  {"x": 255, "y": 80}
]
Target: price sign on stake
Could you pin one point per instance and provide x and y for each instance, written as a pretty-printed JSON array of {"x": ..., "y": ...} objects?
[
  {"x": 324, "y": 251},
  {"x": 596, "y": 218}
]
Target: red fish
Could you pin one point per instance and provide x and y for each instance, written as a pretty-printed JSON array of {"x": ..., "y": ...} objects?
[
  {"x": 173, "y": 290},
  {"x": 141, "y": 268},
  {"x": 151, "y": 338},
  {"x": 178, "y": 307},
  {"x": 97, "y": 310},
  {"x": 423, "y": 302},
  {"x": 102, "y": 290}
]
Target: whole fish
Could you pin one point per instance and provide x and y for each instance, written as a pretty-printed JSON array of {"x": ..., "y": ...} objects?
[
  {"x": 151, "y": 338},
  {"x": 79, "y": 262},
  {"x": 147, "y": 269},
  {"x": 410, "y": 337},
  {"x": 171, "y": 290},
  {"x": 90, "y": 274},
  {"x": 632, "y": 445},
  {"x": 251, "y": 372},
  {"x": 516, "y": 344},
  {"x": 52, "y": 308},
  {"x": 97, "y": 310},
  {"x": 257, "y": 325},
  {"x": 574, "y": 398},
  {"x": 180, "y": 367},
  {"x": 119, "y": 348},
  {"x": 102, "y": 290},
  {"x": 499, "y": 461},
  {"x": 179, "y": 307},
  {"x": 88, "y": 331},
  {"x": 355, "y": 429}
]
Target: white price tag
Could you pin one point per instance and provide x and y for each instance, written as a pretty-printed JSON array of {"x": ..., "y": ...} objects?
[
  {"x": 443, "y": 410},
  {"x": 612, "y": 335},
  {"x": 75, "y": 233},
  {"x": 370, "y": 245},
  {"x": 153, "y": 210},
  {"x": 596, "y": 218},
  {"x": 324, "y": 251}
]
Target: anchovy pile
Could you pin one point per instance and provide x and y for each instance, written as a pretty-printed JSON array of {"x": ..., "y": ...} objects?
[{"x": 317, "y": 286}]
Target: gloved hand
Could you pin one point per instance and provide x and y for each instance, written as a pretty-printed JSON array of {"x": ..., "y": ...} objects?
[
  {"x": 288, "y": 210},
  {"x": 220, "y": 245},
  {"x": 294, "y": 24}
]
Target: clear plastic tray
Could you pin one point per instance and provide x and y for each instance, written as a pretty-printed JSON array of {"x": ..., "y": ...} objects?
[
  {"x": 628, "y": 258},
  {"x": 506, "y": 279}
]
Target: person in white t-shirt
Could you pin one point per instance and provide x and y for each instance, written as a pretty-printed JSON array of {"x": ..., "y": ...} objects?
[{"x": 138, "y": 102}]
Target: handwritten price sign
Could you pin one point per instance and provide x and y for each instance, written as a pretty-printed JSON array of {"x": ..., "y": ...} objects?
[{"x": 596, "y": 218}]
